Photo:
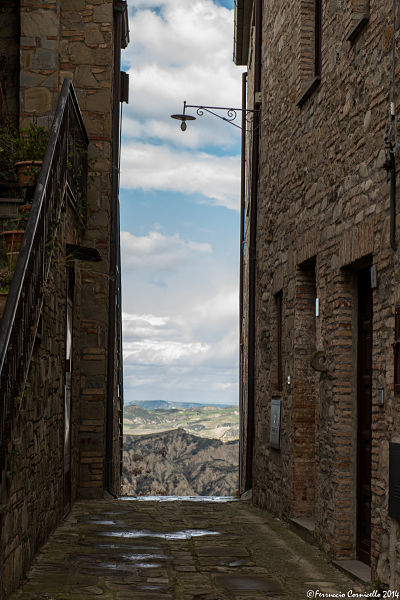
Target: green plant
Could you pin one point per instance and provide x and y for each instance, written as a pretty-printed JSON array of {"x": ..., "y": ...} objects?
[
  {"x": 8, "y": 137},
  {"x": 27, "y": 143},
  {"x": 17, "y": 223},
  {"x": 377, "y": 586},
  {"x": 10, "y": 224},
  {"x": 31, "y": 142},
  {"x": 6, "y": 274}
]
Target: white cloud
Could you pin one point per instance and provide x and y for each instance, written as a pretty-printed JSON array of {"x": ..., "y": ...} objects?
[
  {"x": 182, "y": 52},
  {"x": 156, "y": 352},
  {"x": 160, "y": 168},
  {"x": 180, "y": 299},
  {"x": 204, "y": 333},
  {"x": 181, "y": 33},
  {"x": 209, "y": 133},
  {"x": 158, "y": 251}
]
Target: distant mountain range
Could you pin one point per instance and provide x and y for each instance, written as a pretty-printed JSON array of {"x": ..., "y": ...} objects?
[
  {"x": 156, "y": 404},
  {"x": 220, "y": 423},
  {"x": 178, "y": 463}
]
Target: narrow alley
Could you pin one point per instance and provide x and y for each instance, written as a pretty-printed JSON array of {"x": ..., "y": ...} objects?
[{"x": 179, "y": 549}]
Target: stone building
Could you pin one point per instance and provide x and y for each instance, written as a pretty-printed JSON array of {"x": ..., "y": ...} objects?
[
  {"x": 321, "y": 274},
  {"x": 60, "y": 334}
]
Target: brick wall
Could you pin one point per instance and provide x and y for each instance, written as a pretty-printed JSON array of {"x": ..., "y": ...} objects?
[{"x": 323, "y": 193}]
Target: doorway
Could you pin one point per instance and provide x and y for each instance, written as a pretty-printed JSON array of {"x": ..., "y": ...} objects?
[{"x": 364, "y": 410}]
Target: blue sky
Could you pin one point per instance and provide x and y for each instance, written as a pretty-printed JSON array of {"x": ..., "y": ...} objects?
[{"x": 180, "y": 205}]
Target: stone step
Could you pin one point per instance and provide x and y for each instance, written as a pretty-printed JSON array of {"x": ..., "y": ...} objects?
[{"x": 9, "y": 207}]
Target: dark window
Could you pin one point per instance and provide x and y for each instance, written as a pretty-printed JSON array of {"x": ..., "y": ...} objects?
[
  {"x": 310, "y": 45},
  {"x": 397, "y": 350},
  {"x": 357, "y": 18}
]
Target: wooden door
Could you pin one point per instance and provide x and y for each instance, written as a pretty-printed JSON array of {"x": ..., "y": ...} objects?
[{"x": 364, "y": 360}]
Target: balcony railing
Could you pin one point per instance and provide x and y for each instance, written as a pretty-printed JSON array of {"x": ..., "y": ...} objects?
[{"x": 64, "y": 171}]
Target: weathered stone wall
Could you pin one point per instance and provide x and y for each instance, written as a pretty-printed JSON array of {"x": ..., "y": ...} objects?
[
  {"x": 58, "y": 39},
  {"x": 34, "y": 501},
  {"x": 39, "y": 42},
  {"x": 86, "y": 57},
  {"x": 323, "y": 198},
  {"x": 74, "y": 39}
]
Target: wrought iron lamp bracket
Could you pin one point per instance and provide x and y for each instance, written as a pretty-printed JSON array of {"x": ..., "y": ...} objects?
[{"x": 231, "y": 114}]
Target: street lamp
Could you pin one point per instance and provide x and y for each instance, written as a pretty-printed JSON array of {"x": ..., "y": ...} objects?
[{"x": 231, "y": 114}]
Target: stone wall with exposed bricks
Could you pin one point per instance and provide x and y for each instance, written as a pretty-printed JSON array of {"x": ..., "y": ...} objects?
[
  {"x": 74, "y": 39},
  {"x": 33, "y": 498},
  {"x": 324, "y": 205}
]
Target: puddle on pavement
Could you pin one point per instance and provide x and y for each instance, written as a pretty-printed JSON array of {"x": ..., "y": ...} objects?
[
  {"x": 97, "y": 519},
  {"x": 180, "y": 498},
  {"x": 130, "y": 567},
  {"x": 150, "y": 588},
  {"x": 136, "y": 557},
  {"x": 174, "y": 535},
  {"x": 88, "y": 565},
  {"x": 101, "y": 522},
  {"x": 127, "y": 547}
]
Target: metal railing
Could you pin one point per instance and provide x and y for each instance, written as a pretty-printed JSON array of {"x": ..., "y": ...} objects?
[{"x": 64, "y": 168}]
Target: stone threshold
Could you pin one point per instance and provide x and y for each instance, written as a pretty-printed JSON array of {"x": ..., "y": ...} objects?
[
  {"x": 359, "y": 571},
  {"x": 304, "y": 527},
  {"x": 355, "y": 568}
]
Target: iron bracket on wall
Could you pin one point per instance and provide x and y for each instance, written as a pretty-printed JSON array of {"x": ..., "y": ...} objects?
[{"x": 231, "y": 114}]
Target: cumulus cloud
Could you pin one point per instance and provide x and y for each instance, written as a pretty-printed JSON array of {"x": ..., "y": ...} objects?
[
  {"x": 156, "y": 352},
  {"x": 158, "y": 251},
  {"x": 149, "y": 167},
  {"x": 180, "y": 299},
  {"x": 195, "y": 33},
  {"x": 182, "y": 51},
  {"x": 203, "y": 333}
]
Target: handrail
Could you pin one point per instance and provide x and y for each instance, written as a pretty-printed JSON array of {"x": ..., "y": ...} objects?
[{"x": 64, "y": 166}]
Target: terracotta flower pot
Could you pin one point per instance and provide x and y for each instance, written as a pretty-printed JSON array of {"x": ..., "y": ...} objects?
[
  {"x": 28, "y": 172},
  {"x": 13, "y": 239}
]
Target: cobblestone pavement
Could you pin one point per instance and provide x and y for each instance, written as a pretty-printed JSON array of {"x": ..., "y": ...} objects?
[{"x": 181, "y": 550}]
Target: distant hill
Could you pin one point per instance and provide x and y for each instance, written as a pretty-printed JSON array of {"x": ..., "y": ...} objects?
[
  {"x": 154, "y": 404},
  {"x": 150, "y": 404},
  {"x": 204, "y": 421},
  {"x": 178, "y": 463}
]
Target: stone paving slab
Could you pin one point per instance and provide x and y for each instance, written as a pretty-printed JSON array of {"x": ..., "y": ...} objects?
[{"x": 178, "y": 550}]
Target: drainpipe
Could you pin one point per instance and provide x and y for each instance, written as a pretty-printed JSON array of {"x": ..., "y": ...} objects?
[
  {"x": 114, "y": 255},
  {"x": 242, "y": 235},
  {"x": 252, "y": 246}
]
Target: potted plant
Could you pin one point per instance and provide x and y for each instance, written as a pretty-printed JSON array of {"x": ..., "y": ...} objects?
[
  {"x": 31, "y": 145},
  {"x": 5, "y": 281},
  {"x": 13, "y": 233},
  {"x": 22, "y": 152}
]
